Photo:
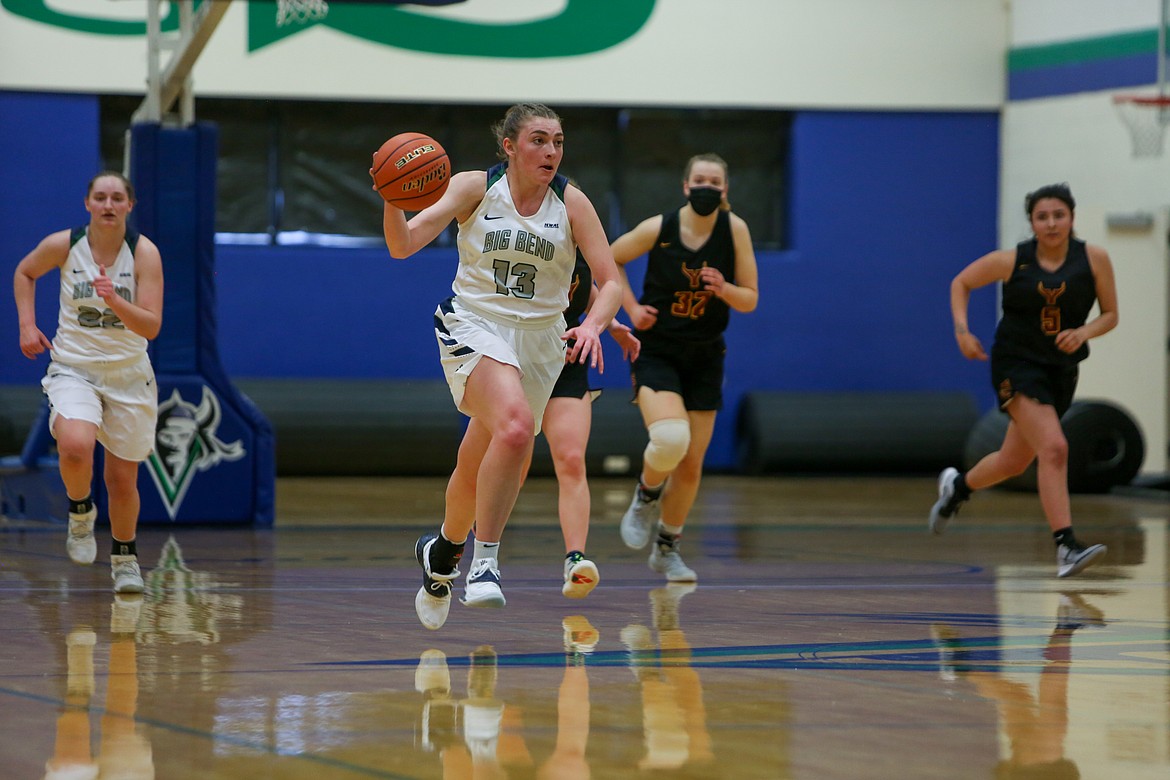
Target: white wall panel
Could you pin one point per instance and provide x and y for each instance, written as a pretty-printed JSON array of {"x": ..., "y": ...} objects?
[
  {"x": 1037, "y": 22},
  {"x": 850, "y": 54},
  {"x": 1079, "y": 139}
]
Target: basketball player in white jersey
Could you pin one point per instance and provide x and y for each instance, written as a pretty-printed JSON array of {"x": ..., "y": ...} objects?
[
  {"x": 99, "y": 382},
  {"x": 502, "y": 334}
]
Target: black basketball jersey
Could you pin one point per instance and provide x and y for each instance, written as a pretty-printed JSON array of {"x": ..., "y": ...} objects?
[
  {"x": 578, "y": 292},
  {"x": 1039, "y": 304},
  {"x": 686, "y": 311}
]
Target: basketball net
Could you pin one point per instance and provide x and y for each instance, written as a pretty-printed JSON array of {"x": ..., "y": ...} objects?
[
  {"x": 300, "y": 11},
  {"x": 1146, "y": 117}
]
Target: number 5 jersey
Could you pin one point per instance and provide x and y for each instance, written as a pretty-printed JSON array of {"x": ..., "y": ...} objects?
[{"x": 1038, "y": 304}]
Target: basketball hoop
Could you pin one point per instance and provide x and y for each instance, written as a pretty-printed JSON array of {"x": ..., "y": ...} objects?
[
  {"x": 300, "y": 11},
  {"x": 1146, "y": 117}
]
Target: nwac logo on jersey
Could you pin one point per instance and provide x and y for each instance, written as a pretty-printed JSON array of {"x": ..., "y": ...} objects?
[{"x": 185, "y": 443}]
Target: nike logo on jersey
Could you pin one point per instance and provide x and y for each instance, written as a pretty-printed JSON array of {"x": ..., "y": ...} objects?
[
  {"x": 489, "y": 216},
  {"x": 78, "y": 270}
]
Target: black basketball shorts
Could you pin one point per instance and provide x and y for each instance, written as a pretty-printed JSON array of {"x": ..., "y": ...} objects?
[
  {"x": 1047, "y": 384},
  {"x": 573, "y": 381},
  {"x": 694, "y": 371}
]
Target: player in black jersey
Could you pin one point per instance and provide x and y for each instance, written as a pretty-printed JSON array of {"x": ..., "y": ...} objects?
[
  {"x": 701, "y": 266},
  {"x": 1050, "y": 284},
  {"x": 567, "y": 421}
]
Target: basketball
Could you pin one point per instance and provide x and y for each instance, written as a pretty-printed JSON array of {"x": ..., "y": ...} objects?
[{"x": 411, "y": 171}]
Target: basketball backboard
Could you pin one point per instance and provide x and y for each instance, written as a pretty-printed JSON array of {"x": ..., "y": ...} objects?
[{"x": 1147, "y": 115}]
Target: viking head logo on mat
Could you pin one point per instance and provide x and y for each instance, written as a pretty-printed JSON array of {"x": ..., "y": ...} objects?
[{"x": 185, "y": 443}]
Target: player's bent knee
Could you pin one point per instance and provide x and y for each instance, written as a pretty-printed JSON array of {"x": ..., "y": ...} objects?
[{"x": 669, "y": 440}]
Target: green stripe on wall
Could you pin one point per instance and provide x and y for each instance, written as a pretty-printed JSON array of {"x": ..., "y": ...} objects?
[{"x": 1109, "y": 47}]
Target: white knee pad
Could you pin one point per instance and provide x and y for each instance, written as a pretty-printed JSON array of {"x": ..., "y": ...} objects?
[{"x": 669, "y": 440}]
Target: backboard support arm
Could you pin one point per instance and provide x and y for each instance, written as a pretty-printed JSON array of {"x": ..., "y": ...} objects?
[{"x": 166, "y": 86}]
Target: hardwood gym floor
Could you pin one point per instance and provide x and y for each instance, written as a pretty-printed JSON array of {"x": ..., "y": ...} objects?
[{"x": 829, "y": 636}]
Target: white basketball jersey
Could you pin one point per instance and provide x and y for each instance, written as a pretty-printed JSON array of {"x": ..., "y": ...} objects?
[
  {"x": 514, "y": 268},
  {"x": 88, "y": 332}
]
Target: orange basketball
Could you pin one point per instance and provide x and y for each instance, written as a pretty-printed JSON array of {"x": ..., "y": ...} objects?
[{"x": 411, "y": 171}]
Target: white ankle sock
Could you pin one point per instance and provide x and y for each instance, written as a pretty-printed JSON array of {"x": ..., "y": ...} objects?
[{"x": 486, "y": 550}]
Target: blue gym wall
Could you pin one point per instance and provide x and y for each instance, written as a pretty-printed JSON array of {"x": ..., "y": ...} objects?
[
  {"x": 884, "y": 209},
  {"x": 49, "y": 150}
]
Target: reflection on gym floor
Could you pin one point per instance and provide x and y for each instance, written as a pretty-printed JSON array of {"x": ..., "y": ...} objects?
[
  {"x": 829, "y": 636},
  {"x": 123, "y": 749},
  {"x": 1033, "y": 723}
]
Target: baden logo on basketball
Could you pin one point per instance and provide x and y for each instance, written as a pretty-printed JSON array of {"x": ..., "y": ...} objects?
[
  {"x": 411, "y": 171},
  {"x": 436, "y": 174}
]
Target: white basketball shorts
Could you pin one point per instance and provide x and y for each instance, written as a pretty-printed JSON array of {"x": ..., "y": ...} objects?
[
  {"x": 465, "y": 336},
  {"x": 121, "y": 400}
]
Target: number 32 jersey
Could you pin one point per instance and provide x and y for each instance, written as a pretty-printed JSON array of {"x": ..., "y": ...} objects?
[
  {"x": 88, "y": 331},
  {"x": 686, "y": 309},
  {"x": 515, "y": 268}
]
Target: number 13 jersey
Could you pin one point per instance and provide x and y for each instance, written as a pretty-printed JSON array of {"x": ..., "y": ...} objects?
[{"x": 513, "y": 268}]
